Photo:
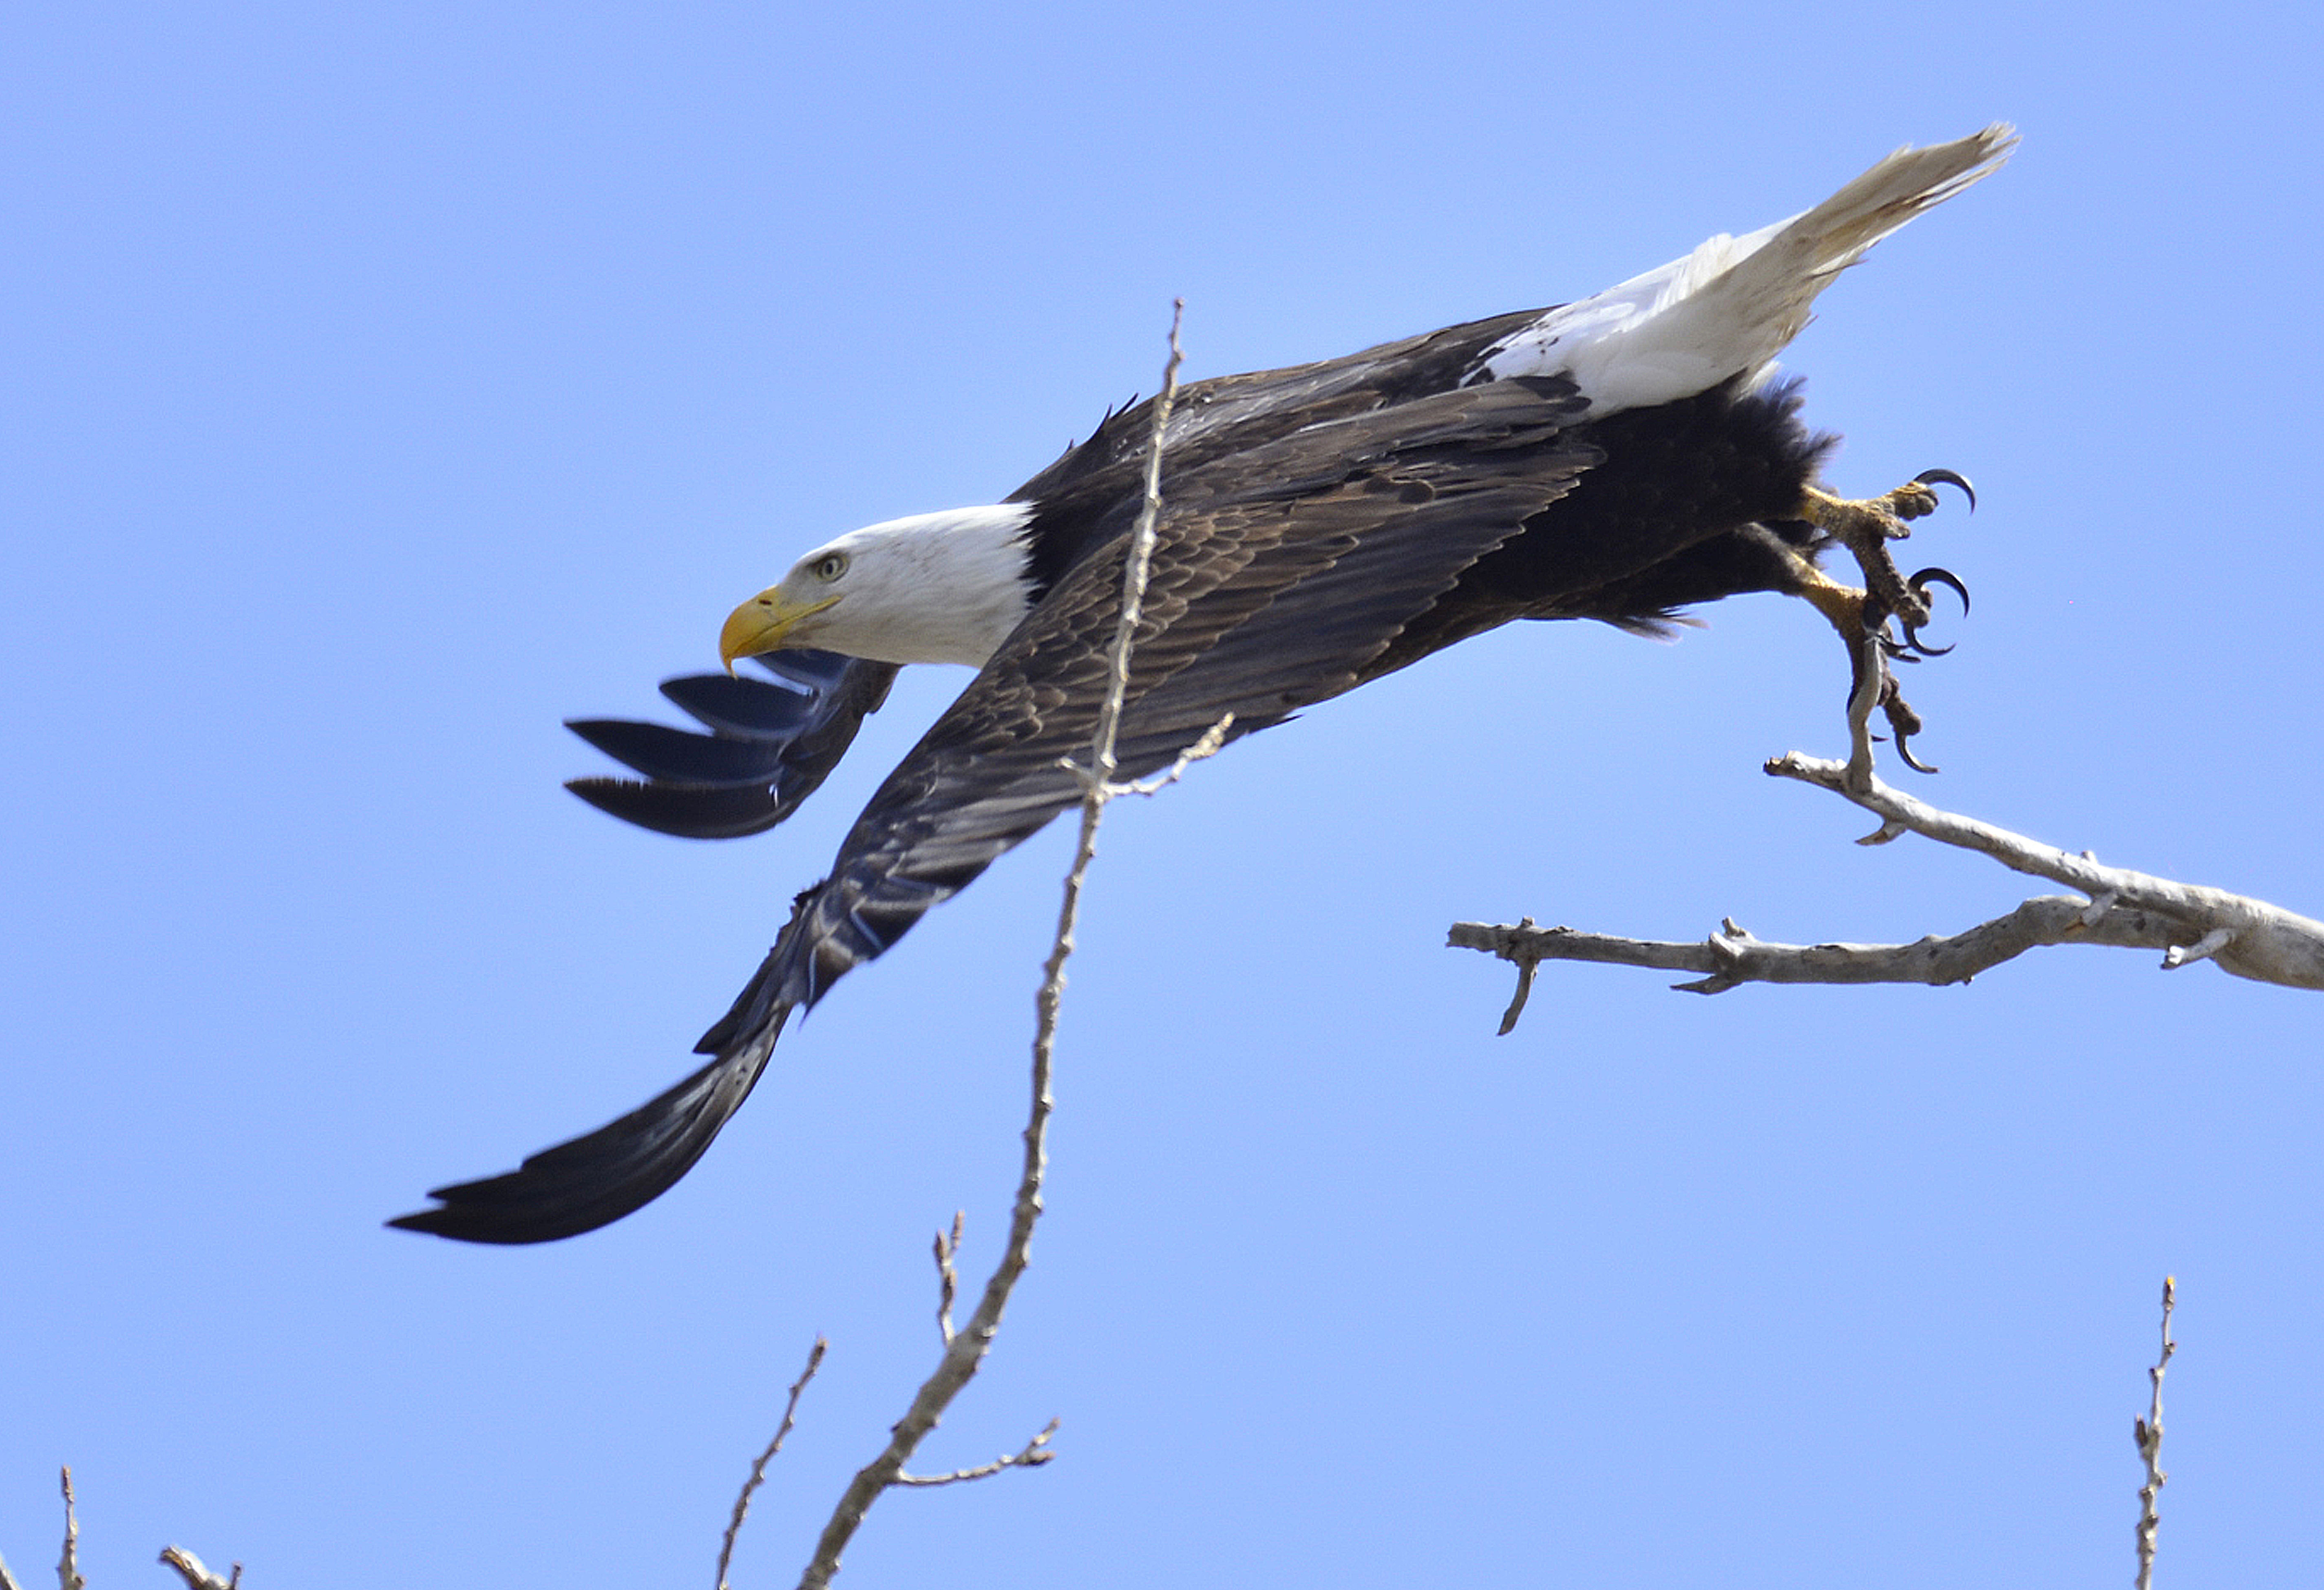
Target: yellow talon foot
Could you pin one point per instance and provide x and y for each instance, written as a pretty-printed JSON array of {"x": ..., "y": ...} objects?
[
  {"x": 1866, "y": 528},
  {"x": 1861, "y": 617}
]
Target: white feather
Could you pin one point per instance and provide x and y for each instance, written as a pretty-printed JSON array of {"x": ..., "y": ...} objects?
[
  {"x": 1730, "y": 307},
  {"x": 933, "y": 588}
]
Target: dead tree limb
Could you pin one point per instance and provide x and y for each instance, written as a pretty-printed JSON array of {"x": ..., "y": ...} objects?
[{"x": 2245, "y": 937}]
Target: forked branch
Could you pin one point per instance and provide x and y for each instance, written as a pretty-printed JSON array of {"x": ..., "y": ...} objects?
[{"x": 2245, "y": 937}]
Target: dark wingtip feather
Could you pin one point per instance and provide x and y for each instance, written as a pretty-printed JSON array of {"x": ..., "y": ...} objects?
[
  {"x": 688, "y": 810},
  {"x": 748, "y": 707},
  {"x": 773, "y": 747},
  {"x": 681, "y": 756},
  {"x": 595, "y": 1180}
]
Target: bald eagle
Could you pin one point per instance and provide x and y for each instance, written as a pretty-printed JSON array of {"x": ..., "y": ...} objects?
[{"x": 1617, "y": 458}]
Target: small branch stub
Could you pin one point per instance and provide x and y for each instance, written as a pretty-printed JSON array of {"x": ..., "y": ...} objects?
[
  {"x": 197, "y": 1577},
  {"x": 947, "y": 1249},
  {"x": 1035, "y": 1453},
  {"x": 2202, "y": 948}
]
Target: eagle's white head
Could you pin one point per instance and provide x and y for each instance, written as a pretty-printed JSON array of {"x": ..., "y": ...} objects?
[{"x": 934, "y": 588}]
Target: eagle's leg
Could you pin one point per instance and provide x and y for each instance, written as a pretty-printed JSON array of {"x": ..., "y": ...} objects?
[{"x": 1861, "y": 616}]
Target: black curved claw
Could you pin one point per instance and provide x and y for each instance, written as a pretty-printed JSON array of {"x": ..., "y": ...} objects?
[
  {"x": 1919, "y": 583},
  {"x": 1946, "y": 477},
  {"x": 1903, "y": 722},
  {"x": 1945, "y": 577},
  {"x": 1896, "y": 651}
]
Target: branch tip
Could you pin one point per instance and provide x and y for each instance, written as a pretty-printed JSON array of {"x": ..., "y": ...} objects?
[
  {"x": 197, "y": 1576},
  {"x": 1033, "y": 1454},
  {"x": 2202, "y": 948},
  {"x": 757, "y": 1475},
  {"x": 1527, "y": 966},
  {"x": 947, "y": 1249},
  {"x": 69, "y": 1563}
]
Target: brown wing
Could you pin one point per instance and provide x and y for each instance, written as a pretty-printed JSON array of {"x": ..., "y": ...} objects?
[{"x": 1279, "y": 575}]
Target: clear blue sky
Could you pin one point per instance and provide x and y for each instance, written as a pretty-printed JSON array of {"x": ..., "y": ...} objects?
[{"x": 387, "y": 383}]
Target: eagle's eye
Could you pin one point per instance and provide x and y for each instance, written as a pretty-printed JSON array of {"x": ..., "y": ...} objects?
[{"x": 829, "y": 567}]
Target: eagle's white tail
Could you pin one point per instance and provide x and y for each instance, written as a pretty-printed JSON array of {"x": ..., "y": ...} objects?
[{"x": 1728, "y": 308}]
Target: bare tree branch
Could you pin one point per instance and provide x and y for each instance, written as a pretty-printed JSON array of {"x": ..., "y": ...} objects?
[
  {"x": 1730, "y": 956},
  {"x": 965, "y": 1349},
  {"x": 2148, "y": 1433},
  {"x": 758, "y": 1469},
  {"x": 2247, "y": 937}
]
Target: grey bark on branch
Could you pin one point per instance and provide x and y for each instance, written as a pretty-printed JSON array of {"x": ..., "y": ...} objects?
[{"x": 2246, "y": 937}]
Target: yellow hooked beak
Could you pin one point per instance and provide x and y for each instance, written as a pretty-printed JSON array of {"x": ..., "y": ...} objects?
[{"x": 763, "y": 624}]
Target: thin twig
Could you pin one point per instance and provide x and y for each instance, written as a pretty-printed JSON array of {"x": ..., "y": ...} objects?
[
  {"x": 758, "y": 1469},
  {"x": 1035, "y": 1453},
  {"x": 1213, "y": 739},
  {"x": 964, "y": 1353},
  {"x": 2148, "y": 1433},
  {"x": 68, "y": 1564},
  {"x": 947, "y": 1277}
]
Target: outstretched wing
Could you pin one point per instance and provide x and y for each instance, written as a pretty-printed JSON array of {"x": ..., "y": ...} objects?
[
  {"x": 770, "y": 746},
  {"x": 1279, "y": 575}
]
